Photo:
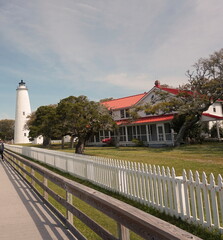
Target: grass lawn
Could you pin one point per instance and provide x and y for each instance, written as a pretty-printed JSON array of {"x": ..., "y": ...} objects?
[{"x": 207, "y": 157}]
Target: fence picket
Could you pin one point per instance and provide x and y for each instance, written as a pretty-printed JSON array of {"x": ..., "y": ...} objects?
[
  {"x": 199, "y": 198},
  {"x": 187, "y": 200},
  {"x": 155, "y": 187},
  {"x": 176, "y": 211},
  {"x": 206, "y": 200},
  {"x": 192, "y": 196},
  {"x": 164, "y": 186},
  {"x": 170, "y": 192},
  {"x": 220, "y": 190},
  {"x": 214, "y": 202}
]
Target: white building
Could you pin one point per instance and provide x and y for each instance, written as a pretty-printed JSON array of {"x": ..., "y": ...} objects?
[
  {"x": 23, "y": 110},
  {"x": 152, "y": 130}
]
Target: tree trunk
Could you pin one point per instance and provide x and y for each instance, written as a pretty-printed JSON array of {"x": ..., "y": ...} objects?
[
  {"x": 72, "y": 142},
  {"x": 62, "y": 142},
  {"x": 80, "y": 147},
  {"x": 180, "y": 135},
  {"x": 183, "y": 129},
  {"x": 46, "y": 141}
]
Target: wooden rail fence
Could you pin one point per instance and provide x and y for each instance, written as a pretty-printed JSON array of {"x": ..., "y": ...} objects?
[{"x": 126, "y": 216}]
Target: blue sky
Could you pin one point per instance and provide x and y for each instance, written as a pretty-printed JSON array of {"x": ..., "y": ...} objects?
[{"x": 101, "y": 48}]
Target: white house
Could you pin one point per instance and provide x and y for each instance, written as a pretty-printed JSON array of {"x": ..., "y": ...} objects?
[{"x": 151, "y": 130}]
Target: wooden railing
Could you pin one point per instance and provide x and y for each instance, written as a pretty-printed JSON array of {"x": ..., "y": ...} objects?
[{"x": 126, "y": 216}]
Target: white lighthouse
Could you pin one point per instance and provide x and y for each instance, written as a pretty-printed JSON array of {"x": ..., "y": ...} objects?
[{"x": 23, "y": 110}]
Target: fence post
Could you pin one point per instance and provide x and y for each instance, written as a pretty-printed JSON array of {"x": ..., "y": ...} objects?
[
  {"x": 69, "y": 198},
  {"x": 181, "y": 204},
  {"x": 123, "y": 232},
  {"x": 45, "y": 182},
  {"x": 214, "y": 202},
  {"x": 24, "y": 167},
  {"x": 32, "y": 180}
]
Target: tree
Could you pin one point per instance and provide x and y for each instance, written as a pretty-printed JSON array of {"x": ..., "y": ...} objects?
[
  {"x": 204, "y": 87},
  {"x": 82, "y": 118},
  {"x": 7, "y": 129},
  {"x": 43, "y": 122},
  {"x": 106, "y": 99}
]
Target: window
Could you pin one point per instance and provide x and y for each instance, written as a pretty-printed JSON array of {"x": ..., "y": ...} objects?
[
  {"x": 24, "y": 134},
  {"x": 153, "y": 132},
  {"x": 124, "y": 113},
  {"x": 129, "y": 131},
  {"x": 24, "y": 113},
  {"x": 214, "y": 109},
  {"x": 127, "y": 113},
  {"x": 141, "y": 132},
  {"x": 122, "y": 134},
  {"x": 160, "y": 133},
  {"x": 167, "y": 128}
]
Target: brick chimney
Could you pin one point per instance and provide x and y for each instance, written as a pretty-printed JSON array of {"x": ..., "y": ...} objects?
[{"x": 157, "y": 83}]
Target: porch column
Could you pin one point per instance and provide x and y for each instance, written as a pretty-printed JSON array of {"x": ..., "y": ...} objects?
[
  {"x": 147, "y": 133},
  {"x": 218, "y": 132},
  {"x": 126, "y": 134}
]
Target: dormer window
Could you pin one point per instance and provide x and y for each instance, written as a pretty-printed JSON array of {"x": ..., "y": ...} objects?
[{"x": 124, "y": 113}]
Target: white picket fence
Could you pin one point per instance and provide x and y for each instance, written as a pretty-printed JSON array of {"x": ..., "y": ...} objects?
[{"x": 188, "y": 197}]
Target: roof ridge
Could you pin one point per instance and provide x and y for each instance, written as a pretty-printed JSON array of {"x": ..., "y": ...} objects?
[{"x": 125, "y": 97}]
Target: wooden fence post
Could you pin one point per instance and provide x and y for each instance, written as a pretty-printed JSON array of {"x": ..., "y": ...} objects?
[
  {"x": 69, "y": 198},
  {"x": 32, "y": 180},
  {"x": 24, "y": 167},
  {"x": 45, "y": 182},
  {"x": 123, "y": 232}
]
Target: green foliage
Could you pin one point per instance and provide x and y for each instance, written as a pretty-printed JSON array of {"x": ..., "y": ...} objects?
[
  {"x": 82, "y": 118},
  {"x": 43, "y": 122},
  {"x": 74, "y": 116},
  {"x": 7, "y": 129},
  {"x": 137, "y": 142},
  {"x": 106, "y": 99}
]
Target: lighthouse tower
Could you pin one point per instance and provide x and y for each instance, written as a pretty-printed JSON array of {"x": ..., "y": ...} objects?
[{"x": 23, "y": 110}]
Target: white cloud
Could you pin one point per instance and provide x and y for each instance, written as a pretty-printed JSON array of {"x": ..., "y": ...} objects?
[
  {"x": 195, "y": 33},
  {"x": 138, "y": 82},
  {"x": 131, "y": 42}
]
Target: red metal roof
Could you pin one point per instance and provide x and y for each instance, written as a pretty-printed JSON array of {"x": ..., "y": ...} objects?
[
  {"x": 123, "y": 102},
  {"x": 212, "y": 116},
  {"x": 174, "y": 91},
  {"x": 129, "y": 101},
  {"x": 161, "y": 118}
]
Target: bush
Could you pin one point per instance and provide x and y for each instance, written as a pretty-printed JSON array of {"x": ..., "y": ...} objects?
[{"x": 138, "y": 142}]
